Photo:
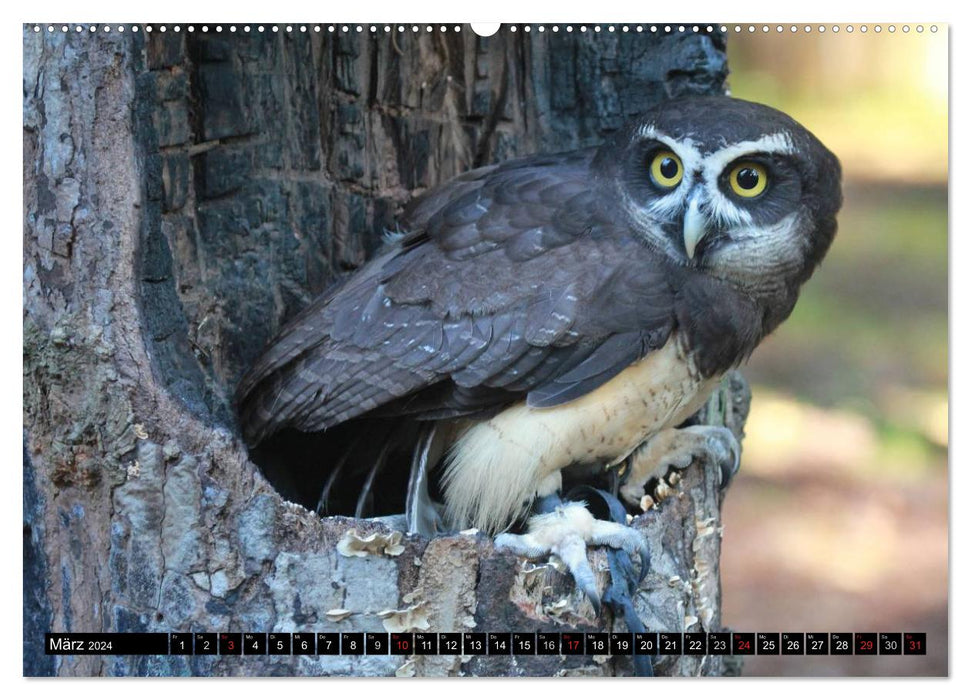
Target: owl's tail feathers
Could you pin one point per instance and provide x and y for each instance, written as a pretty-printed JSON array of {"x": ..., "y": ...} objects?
[
  {"x": 424, "y": 515},
  {"x": 358, "y": 469}
]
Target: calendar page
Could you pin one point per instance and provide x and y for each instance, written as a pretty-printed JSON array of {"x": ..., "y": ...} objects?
[{"x": 526, "y": 349}]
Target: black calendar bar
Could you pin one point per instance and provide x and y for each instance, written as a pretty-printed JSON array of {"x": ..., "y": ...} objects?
[
  {"x": 485, "y": 643},
  {"x": 106, "y": 643}
]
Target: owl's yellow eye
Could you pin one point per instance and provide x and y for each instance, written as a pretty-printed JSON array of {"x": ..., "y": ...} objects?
[
  {"x": 666, "y": 170},
  {"x": 748, "y": 180}
]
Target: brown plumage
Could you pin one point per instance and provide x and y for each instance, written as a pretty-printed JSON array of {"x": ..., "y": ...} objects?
[{"x": 530, "y": 284}]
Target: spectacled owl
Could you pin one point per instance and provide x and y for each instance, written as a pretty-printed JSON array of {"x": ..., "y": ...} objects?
[{"x": 545, "y": 313}]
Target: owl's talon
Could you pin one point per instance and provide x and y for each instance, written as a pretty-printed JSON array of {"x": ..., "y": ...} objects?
[
  {"x": 730, "y": 466},
  {"x": 663, "y": 491},
  {"x": 674, "y": 450},
  {"x": 573, "y": 552}
]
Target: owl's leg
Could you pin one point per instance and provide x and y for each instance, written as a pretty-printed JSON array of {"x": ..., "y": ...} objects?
[
  {"x": 566, "y": 529},
  {"x": 676, "y": 449}
]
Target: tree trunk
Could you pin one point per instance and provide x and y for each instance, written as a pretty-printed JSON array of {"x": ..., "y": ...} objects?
[{"x": 184, "y": 195}]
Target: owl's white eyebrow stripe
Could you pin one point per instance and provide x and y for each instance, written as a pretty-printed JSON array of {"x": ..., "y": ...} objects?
[
  {"x": 715, "y": 163},
  {"x": 685, "y": 149}
]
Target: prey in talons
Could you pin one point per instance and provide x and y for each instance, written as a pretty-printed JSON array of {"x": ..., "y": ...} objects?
[{"x": 565, "y": 529}]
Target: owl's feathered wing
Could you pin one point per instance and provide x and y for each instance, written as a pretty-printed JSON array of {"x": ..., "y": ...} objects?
[
  {"x": 513, "y": 282},
  {"x": 521, "y": 281}
]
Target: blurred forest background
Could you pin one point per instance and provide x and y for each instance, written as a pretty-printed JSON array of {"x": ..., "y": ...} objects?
[{"x": 838, "y": 520}]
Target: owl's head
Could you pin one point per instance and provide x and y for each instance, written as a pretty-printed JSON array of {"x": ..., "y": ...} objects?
[{"x": 737, "y": 189}]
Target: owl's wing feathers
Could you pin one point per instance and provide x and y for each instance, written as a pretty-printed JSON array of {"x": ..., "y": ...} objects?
[{"x": 516, "y": 284}]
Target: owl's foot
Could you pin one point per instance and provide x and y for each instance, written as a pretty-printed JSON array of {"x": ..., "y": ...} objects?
[
  {"x": 673, "y": 450},
  {"x": 566, "y": 531}
]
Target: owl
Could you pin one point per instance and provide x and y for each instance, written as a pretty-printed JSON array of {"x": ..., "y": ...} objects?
[{"x": 546, "y": 315}]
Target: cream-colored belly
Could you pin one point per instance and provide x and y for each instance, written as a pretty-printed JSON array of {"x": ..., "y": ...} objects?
[{"x": 496, "y": 466}]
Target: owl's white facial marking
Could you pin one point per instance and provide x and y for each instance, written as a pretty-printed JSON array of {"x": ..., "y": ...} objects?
[
  {"x": 668, "y": 206},
  {"x": 722, "y": 212},
  {"x": 672, "y": 203},
  {"x": 700, "y": 188}
]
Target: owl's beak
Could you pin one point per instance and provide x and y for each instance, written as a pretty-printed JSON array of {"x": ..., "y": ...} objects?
[{"x": 695, "y": 224}]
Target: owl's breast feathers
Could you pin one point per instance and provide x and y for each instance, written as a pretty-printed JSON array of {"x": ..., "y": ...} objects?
[{"x": 521, "y": 301}]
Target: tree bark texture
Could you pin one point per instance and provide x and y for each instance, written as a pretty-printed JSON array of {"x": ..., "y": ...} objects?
[{"x": 184, "y": 195}]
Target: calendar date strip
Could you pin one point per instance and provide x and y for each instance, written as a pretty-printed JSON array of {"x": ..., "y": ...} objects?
[{"x": 486, "y": 643}]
